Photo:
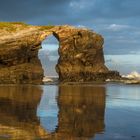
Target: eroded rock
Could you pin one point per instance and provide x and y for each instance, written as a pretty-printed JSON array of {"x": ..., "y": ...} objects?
[{"x": 80, "y": 50}]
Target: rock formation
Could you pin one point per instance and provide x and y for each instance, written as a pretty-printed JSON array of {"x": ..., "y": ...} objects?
[{"x": 80, "y": 50}]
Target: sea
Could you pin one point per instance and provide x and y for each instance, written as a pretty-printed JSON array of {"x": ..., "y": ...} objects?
[{"x": 70, "y": 112}]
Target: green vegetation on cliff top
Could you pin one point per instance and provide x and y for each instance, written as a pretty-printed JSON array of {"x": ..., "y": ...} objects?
[
  {"x": 46, "y": 27},
  {"x": 16, "y": 26},
  {"x": 7, "y": 24},
  {"x": 12, "y": 26}
]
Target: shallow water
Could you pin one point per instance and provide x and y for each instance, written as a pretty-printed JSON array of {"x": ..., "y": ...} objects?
[{"x": 70, "y": 112}]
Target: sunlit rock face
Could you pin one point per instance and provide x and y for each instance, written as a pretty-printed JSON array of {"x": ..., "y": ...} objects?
[
  {"x": 81, "y": 56},
  {"x": 80, "y": 50},
  {"x": 19, "y": 61}
]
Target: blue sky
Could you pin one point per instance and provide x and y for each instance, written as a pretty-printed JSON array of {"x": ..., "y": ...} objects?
[{"x": 117, "y": 20}]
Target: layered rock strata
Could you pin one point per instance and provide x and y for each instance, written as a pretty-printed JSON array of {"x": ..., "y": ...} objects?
[{"x": 80, "y": 50}]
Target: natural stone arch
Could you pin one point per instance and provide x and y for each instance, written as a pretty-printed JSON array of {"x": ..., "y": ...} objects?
[
  {"x": 81, "y": 55},
  {"x": 48, "y": 55}
]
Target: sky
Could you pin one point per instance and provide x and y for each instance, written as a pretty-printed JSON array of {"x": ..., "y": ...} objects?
[{"x": 117, "y": 20}]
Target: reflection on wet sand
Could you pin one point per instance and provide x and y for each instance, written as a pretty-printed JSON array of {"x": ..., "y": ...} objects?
[
  {"x": 18, "y": 112},
  {"x": 80, "y": 116},
  {"x": 81, "y": 111}
]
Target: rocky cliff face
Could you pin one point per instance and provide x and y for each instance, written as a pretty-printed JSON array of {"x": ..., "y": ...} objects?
[{"x": 81, "y": 54}]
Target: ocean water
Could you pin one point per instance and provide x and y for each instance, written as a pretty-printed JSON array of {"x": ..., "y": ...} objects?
[
  {"x": 125, "y": 64},
  {"x": 70, "y": 112}
]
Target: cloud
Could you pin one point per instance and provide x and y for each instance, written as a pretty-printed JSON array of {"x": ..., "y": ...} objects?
[
  {"x": 81, "y": 4},
  {"x": 68, "y": 11},
  {"x": 76, "y": 5},
  {"x": 29, "y": 10},
  {"x": 116, "y": 27}
]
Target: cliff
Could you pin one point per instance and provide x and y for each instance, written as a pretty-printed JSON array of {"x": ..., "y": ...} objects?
[{"x": 81, "y": 53}]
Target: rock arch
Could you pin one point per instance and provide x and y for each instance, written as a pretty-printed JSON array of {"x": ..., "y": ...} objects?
[
  {"x": 48, "y": 55},
  {"x": 81, "y": 55}
]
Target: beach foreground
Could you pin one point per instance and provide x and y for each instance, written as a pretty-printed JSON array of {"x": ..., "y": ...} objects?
[{"x": 70, "y": 112}]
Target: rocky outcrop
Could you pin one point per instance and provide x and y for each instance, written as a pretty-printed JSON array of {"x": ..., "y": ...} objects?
[{"x": 80, "y": 50}]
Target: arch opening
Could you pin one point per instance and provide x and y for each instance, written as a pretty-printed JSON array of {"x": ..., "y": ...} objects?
[{"x": 48, "y": 56}]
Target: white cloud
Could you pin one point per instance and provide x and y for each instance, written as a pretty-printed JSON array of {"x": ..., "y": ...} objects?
[
  {"x": 81, "y": 26},
  {"x": 126, "y": 40},
  {"x": 117, "y": 27},
  {"x": 137, "y": 32},
  {"x": 77, "y": 5},
  {"x": 81, "y": 4}
]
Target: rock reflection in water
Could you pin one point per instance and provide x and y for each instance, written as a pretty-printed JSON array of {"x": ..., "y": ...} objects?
[
  {"x": 81, "y": 111},
  {"x": 18, "y": 112},
  {"x": 47, "y": 109},
  {"x": 60, "y": 113}
]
